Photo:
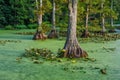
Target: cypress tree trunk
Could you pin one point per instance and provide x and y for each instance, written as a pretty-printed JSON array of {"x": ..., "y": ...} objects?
[
  {"x": 53, "y": 15},
  {"x": 40, "y": 15},
  {"x": 111, "y": 17},
  {"x": 39, "y": 33},
  {"x": 86, "y": 32},
  {"x": 53, "y": 33},
  {"x": 87, "y": 15},
  {"x": 71, "y": 47},
  {"x": 103, "y": 25},
  {"x": 103, "y": 19}
]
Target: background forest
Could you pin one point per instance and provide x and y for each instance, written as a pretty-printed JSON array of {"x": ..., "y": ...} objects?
[{"x": 21, "y": 14}]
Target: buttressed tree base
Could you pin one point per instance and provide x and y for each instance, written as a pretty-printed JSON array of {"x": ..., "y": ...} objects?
[{"x": 71, "y": 47}]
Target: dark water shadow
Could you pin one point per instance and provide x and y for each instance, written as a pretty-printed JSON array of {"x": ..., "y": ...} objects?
[{"x": 18, "y": 37}]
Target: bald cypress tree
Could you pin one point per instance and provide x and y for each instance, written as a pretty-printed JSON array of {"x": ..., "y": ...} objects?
[
  {"x": 71, "y": 47},
  {"x": 53, "y": 33},
  {"x": 39, "y": 13}
]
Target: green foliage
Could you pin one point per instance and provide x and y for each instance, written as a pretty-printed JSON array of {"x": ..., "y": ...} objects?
[
  {"x": 94, "y": 22},
  {"x": 9, "y": 27},
  {"x": 80, "y": 28},
  {"x": 109, "y": 27},
  {"x": 20, "y": 27},
  {"x": 62, "y": 25},
  {"x": 13, "y": 12},
  {"x": 46, "y": 26},
  {"x": 48, "y": 6},
  {"x": 94, "y": 28},
  {"x": 60, "y": 52},
  {"x": 32, "y": 26}
]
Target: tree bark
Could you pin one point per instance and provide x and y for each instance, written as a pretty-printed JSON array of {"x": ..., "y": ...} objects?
[
  {"x": 53, "y": 32},
  {"x": 71, "y": 47},
  {"x": 86, "y": 32},
  {"x": 87, "y": 14},
  {"x": 103, "y": 19},
  {"x": 53, "y": 15},
  {"x": 111, "y": 17},
  {"x": 39, "y": 34},
  {"x": 40, "y": 14}
]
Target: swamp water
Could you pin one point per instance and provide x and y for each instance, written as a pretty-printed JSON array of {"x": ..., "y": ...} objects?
[{"x": 107, "y": 56}]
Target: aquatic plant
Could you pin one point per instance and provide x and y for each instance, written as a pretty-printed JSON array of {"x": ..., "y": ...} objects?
[
  {"x": 36, "y": 53},
  {"x": 25, "y": 33},
  {"x": 3, "y": 42}
]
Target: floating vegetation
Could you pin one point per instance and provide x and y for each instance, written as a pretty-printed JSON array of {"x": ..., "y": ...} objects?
[
  {"x": 98, "y": 38},
  {"x": 92, "y": 51},
  {"x": 3, "y": 42},
  {"x": 109, "y": 49},
  {"x": 18, "y": 59},
  {"x": 89, "y": 59},
  {"x": 36, "y": 54},
  {"x": 103, "y": 71},
  {"x": 37, "y": 62},
  {"x": 25, "y": 33},
  {"x": 59, "y": 60},
  {"x": 61, "y": 52},
  {"x": 74, "y": 69},
  {"x": 85, "y": 69},
  {"x": 73, "y": 61}
]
